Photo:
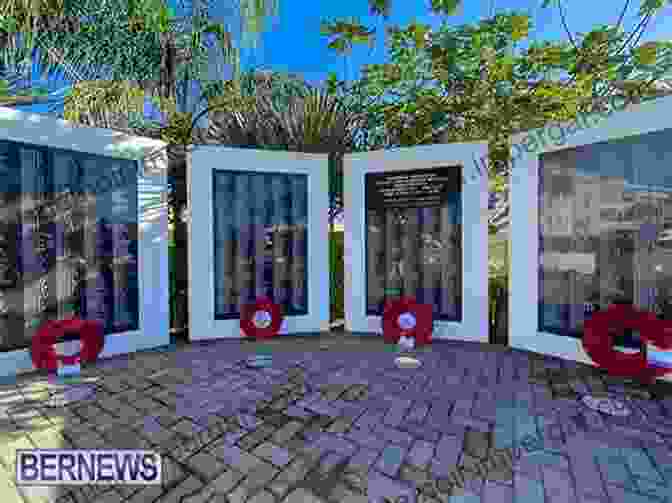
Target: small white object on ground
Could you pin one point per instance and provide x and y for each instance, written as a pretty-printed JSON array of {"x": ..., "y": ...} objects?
[
  {"x": 406, "y": 343},
  {"x": 258, "y": 361},
  {"x": 606, "y": 404},
  {"x": 406, "y": 362}
]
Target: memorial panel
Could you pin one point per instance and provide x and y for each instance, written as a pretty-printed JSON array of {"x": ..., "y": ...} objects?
[
  {"x": 260, "y": 245},
  {"x": 68, "y": 240},
  {"x": 412, "y": 189},
  {"x": 413, "y": 239},
  {"x": 605, "y": 214}
]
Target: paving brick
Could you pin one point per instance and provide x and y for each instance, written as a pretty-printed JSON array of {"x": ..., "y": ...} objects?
[
  {"x": 448, "y": 449},
  {"x": 421, "y": 453},
  {"x": 172, "y": 472},
  {"x": 175, "y": 495},
  {"x": 593, "y": 420},
  {"x": 363, "y": 459},
  {"x": 472, "y": 423},
  {"x": 666, "y": 404},
  {"x": 558, "y": 486},
  {"x": 328, "y": 463},
  {"x": 369, "y": 420},
  {"x": 427, "y": 419},
  {"x": 485, "y": 406},
  {"x": 418, "y": 411},
  {"x": 274, "y": 454},
  {"x": 342, "y": 493},
  {"x": 661, "y": 490},
  {"x": 527, "y": 490},
  {"x": 290, "y": 476},
  {"x": 256, "y": 437},
  {"x": 381, "y": 486},
  {"x": 394, "y": 435},
  {"x": 390, "y": 460},
  {"x": 259, "y": 477},
  {"x": 84, "y": 494},
  {"x": 205, "y": 465},
  {"x": 618, "y": 493},
  {"x": 226, "y": 481},
  {"x": 499, "y": 466},
  {"x": 581, "y": 450},
  {"x": 341, "y": 425},
  {"x": 527, "y": 462},
  {"x": 550, "y": 433},
  {"x": 328, "y": 442},
  {"x": 476, "y": 443},
  {"x": 525, "y": 424},
  {"x": 365, "y": 439},
  {"x": 396, "y": 413},
  {"x": 235, "y": 457},
  {"x": 662, "y": 458},
  {"x": 614, "y": 469},
  {"x": 302, "y": 495},
  {"x": 110, "y": 404},
  {"x": 641, "y": 465},
  {"x": 262, "y": 497},
  {"x": 647, "y": 437}
]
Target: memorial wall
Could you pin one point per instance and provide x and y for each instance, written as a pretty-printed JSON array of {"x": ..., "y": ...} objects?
[
  {"x": 605, "y": 216},
  {"x": 413, "y": 239},
  {"x": 260, "y": 245},
  {"x": 68, "y": 240}
]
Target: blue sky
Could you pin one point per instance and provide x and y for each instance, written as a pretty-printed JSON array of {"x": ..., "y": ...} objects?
[{"x": 292, "y": 41}]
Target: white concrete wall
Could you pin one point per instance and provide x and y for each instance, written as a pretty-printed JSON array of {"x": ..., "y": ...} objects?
[
  {"x": 474, "y": 324},
  {"x": 526, "y": 150},
  {"x": 202, "y": 161},
  {"x": 152, "y": 159}
]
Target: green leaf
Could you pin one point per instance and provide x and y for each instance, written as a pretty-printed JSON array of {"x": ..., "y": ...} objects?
[
  {"x": 646, "y": 54},
  {"x": 448, "y": 7},
  {"x": 8, "y": 24},
  {"x": 380, "y": 8},
  {"x": 339, "y": 45},
  {"x": 520, "y": 26},
  {"x": 651, "y": 6}
]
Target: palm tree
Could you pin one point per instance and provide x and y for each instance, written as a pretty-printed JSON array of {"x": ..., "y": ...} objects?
[
  {"x": 138, "y": 45},
  {"x": 347, "y": 33}
]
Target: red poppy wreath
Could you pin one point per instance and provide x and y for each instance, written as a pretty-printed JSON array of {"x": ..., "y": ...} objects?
[
  {"x": 43, "y": 352},
  {"x": 598, "y": 343},
  {"x": 261, "y": 319}
]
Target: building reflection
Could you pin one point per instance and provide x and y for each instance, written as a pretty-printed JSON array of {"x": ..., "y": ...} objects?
[{"x": 605, "y": 222}]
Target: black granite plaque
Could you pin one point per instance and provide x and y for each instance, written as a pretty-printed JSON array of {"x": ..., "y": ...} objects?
[{"x": 412, "y": 189}]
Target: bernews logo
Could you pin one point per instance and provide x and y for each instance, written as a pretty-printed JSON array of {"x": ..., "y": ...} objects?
[{"x": 51, "y": 467}]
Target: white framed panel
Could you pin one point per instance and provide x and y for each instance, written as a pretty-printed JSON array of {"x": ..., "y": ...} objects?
[
  {"x": 474, "y": 233},
  {"x": 149, "y": 163},
  {"x": 620, "y": 123},
  {"x": 203, "y": 164}
]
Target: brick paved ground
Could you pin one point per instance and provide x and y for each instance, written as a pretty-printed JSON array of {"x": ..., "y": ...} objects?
[{"x": 339, "y": 423}]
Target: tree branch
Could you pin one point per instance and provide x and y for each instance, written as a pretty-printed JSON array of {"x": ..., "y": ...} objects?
[
  {"x": 642, "y": 25},
  {"x": 620, "y": 18},
  {"x": 564, "y": 24}
]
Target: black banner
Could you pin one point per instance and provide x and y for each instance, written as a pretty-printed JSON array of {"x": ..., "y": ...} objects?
[{"x": 412, "y": 189}]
